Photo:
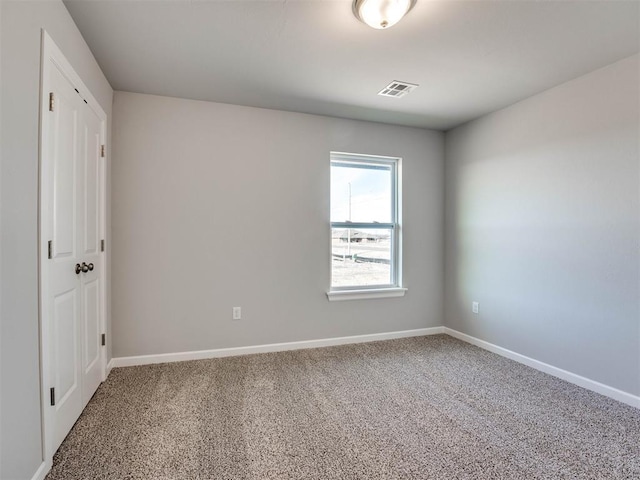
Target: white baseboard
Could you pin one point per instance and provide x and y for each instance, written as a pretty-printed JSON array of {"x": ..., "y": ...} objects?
[
  {"x": 273, "y": 347},
  {"x": 109, "y": 367},
  {"x": 42, "y": 471},
  {"x": 579, "y": 380}
]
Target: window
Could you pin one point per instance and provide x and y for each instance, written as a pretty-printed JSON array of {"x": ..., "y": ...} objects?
[{"x": 365, "y": 236}]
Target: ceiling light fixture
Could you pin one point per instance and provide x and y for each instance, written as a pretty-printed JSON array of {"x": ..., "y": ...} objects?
[{"x": 381, "y": 14}]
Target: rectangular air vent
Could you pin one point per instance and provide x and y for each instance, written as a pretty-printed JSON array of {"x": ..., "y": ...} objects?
[{"x": 397, "y": 89}]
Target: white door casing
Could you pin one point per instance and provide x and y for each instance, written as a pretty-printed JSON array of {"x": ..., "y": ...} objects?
[{"x": 72, "y": 228}]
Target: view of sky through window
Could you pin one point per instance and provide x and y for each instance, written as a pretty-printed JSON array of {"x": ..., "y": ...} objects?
[{"x": 360, "y": 193}]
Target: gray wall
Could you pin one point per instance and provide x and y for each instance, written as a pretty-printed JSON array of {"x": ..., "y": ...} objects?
[
  {"x": 20, "y": 422},
  {"x": 543, "y": 227},
  {"x": 217, "y": 206}
]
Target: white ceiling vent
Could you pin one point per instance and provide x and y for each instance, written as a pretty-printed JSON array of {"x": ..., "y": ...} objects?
[{"x": 397, "y": 89}]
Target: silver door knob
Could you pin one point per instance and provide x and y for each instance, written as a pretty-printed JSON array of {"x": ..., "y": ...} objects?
[
  {"x": 90, "y": 266},
  {"x": 85, "y": 267}
]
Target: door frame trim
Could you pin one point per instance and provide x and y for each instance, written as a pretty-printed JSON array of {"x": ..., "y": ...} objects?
[{"x": 51, "y": 54}]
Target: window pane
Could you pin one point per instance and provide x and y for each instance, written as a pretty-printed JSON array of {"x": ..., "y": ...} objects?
[
  {"x": 361, "y": 192},
  {"x": 360, "y": 257}
]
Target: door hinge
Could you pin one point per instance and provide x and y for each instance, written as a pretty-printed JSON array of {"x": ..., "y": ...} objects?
[
  {"x": 50, "y": 249},
  {"x": 52, "y": 394},
  {"x": 102, "y": 151},
  {"x": 102, "y": 245},
  {"x": 51, "y": 101},
  {"x": 103, "y": 339}
]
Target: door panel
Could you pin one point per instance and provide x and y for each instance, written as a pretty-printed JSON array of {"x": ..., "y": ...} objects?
[
  {"x": 92, "y": 371},
  {"x": 65, "y": 323},
  {"x": 68, "y": 401},
  {"x": 91, "y": 152},
  {"x": 63, "y": 282},
  {"x": 92, "y": 374},
  {"x": 65, "y": 145}
]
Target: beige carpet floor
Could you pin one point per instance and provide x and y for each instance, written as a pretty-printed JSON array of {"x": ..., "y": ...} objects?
[{"x": 418, "y": 408}]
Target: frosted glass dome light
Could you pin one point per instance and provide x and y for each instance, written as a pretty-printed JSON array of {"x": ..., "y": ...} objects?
[{"x": 381, "y": 14}]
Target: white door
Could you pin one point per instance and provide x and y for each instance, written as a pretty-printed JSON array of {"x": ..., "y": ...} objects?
[
  {"x": 90, "y": 252},
  {"x": 73, "y": 216}
]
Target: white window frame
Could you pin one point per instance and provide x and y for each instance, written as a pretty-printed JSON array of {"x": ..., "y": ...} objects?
[{"x": 393, "y": 289}]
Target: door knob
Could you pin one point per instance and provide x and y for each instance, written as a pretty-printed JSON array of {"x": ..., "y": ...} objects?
[{"x": 84, "y": 268}]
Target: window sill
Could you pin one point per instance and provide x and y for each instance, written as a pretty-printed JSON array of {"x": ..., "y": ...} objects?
[{"x": 339, "y": 295}]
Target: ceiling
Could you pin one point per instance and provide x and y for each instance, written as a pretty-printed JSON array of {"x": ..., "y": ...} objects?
[{"x": 314, "y": 56}]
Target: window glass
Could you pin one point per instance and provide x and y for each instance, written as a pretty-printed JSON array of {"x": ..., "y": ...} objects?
[
  {"x": 364, "y": 224},
  {"x": 360, "y": 257},
  {"x": 360, "y": 193}
]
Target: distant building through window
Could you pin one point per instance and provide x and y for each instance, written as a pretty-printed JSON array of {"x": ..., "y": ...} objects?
[{"x": 365, "y": 237}]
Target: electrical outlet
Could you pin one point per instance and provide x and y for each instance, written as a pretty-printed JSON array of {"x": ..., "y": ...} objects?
[
  {"x": 237, "y": 313},
  {"x": 475, "y": 307}
]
